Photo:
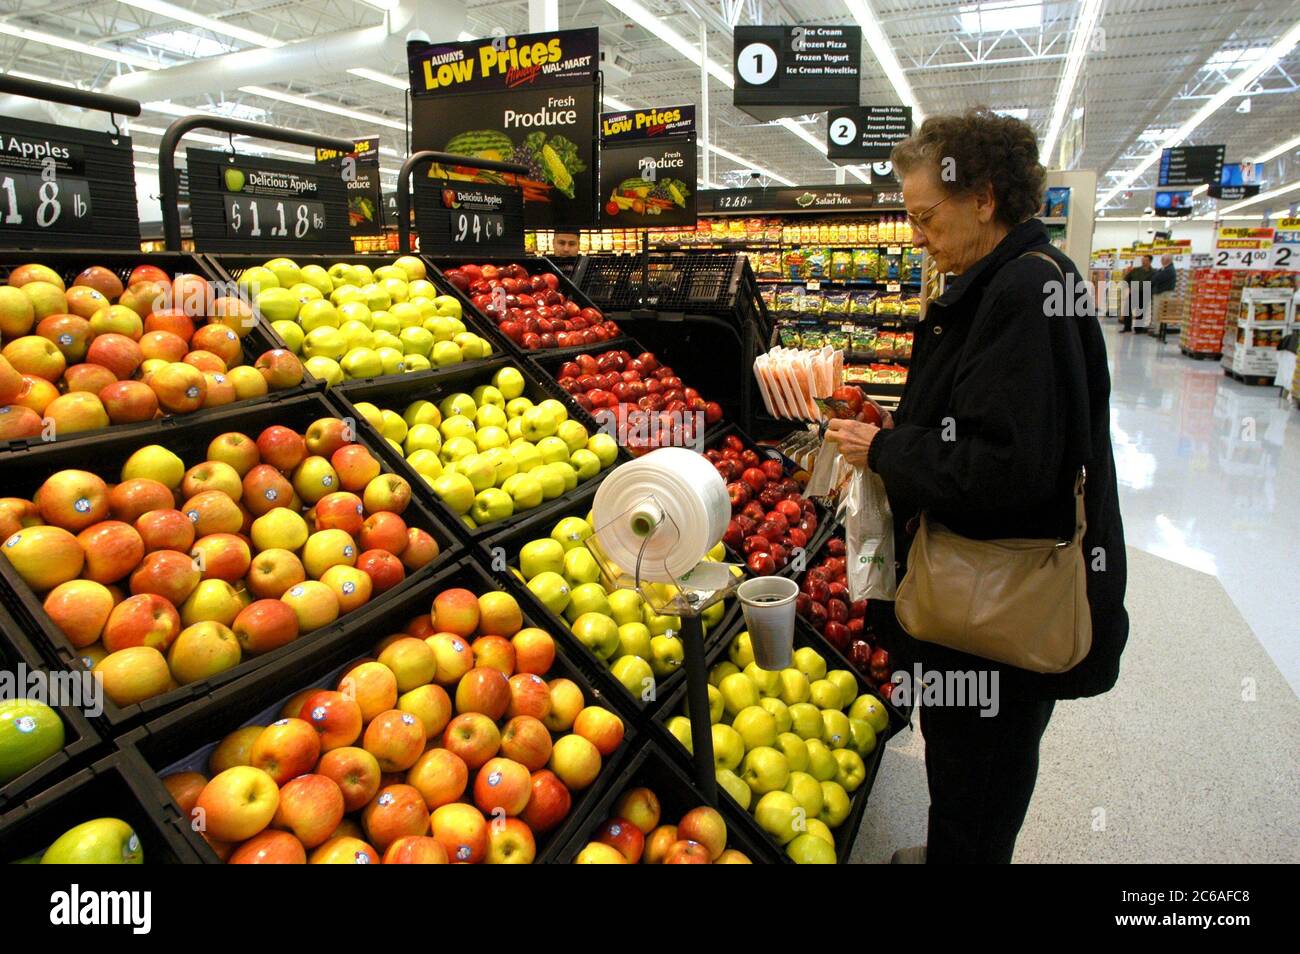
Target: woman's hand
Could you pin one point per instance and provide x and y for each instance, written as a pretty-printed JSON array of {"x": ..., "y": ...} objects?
[
  {"x": 886, "y": 418},
  {"x": 854, "y": 439}
]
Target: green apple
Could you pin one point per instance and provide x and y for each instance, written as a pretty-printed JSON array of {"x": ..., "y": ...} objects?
[
  {"x": 755, "y": 724},
  {"x": 806, "y": 720},
  {"x": 490, "y": 437},
  {"x": 821, "y": 763},
  {"x": 778, "y": 813},
  {"x": 459, "y": 403},
  {"x": 373, "y": 415},
  {"x": 824, "y": 694},
  {"x": 491, "y": 504},
  {"x": 539, "y": 556},
  {"x": 836, "y": 731},
  {"x": 515, "y": 428},
  {"x": 257, "y": 278},
  {"x": 489, "y": 415},
  {"x": 661, "y": 625},
  {"x": 318, "y": 314},
  {"x": 625, "y": 605},
  {"x": 503, "y": 465},
  {"x": 835, "y": 804},
  {"x": 362, "y": 363},
  {"x": 392, "y": 358},
  {"x": 557, "y": 410},
  {"x": 807, "y": 791},
  {"x": 636, "y": 676},
  {"x": 525, "y": 489},
  {"x": 525, "y": 456},
  {"x": 455, "y": 491},
  {"x": 456, "y": 426},
  {"x": 794, "y": 749},
  {"x": 810, "y": 662},
  {"x": 667, "y": 654},
  {"x": 581, "y": 567},
  {"x": 765, "y": 770},
  {"x": 741, "y": 651},
  {"x": 584, "y": 463},
  {"x": 422, "y": 412},
  {"x": 848, "y": 684},
  {"x": 448, "y": 305},
  {"x": 730, "y": 783},
  {"x": 276, "y": 304},
  {"x": 408, "y": 316},
  {"x": 794, "y": 687},
  {"x": 355, "y": 311},
  {"x": 376, "y": 296},
  {"x": 458, "y": 448},
  {"x": 715, "y": 706},
  {"x": 342, "y": 294},
  {"x": 573, "y": 532},
  {"x": 425, "y": 461},
  {"x": 441, "y": 328},
  {"x": 851, "y": 771},
  {"x": 339, "y": 273},
  {"x": 290, "y": 333},
  {"x": 721, "y": 671},
  {"x": 517, "y": 406},
  {"x": 304, "y": 292},
  {"x": 471, "y": 346},
  {"x": 633, "y": 639},
  {"x": 380, "y": 320},
  {"x": 416, "y": 341},
  {"x": 392, "y": 426},
  {"x": 324, "y": 342},
  {"x": 739, "y": 692},
  {"x": 326, "y": 369},
  {"x": 597, "y": 632},
  {"x": 808, "y": 849},
  {"x": 103, "y": 841},
  {"x": 767, "y": 681},
  {"x": 508, "y": 380},
  {"x": 588, "y": 598},
  {"x": 488, "y": 394},
  {"x": 780, "y": 712},
  {"x": 728, "y": 747},
  {"x": 356, "y": 335},
  {"x": 871, "y": 710},
  {"x": 552, "y": 590},
  {"x": 680, "y": 728},
  {"x": 552, "y": 481},
  {"x": 566, "y": 473},
  {"x": 318, "y": 278},
  {"x": 445, "y": 353},
  {"x": 421, "y": 437},
  {"x": 862, "y": 738},
  {"x": 604, "y": 447},
  {"x": 539, "y": 422},
  {"x": 818, "y": 827},
  {"x": 573, "y": 434},
  {"x": 552, "y": 449}
]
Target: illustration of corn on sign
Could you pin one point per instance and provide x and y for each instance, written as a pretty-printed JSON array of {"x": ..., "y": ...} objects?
[
  {"x": 529, "y": 100},
  {"x": 647, "y": 167}
]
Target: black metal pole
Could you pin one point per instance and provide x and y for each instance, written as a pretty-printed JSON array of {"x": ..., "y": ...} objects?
[
  {"x": 697, "y": 695},
  {"x": 69, "y": 96},
  {"x": 172, "y": 137},
  {"x": 443, "y": 158}
]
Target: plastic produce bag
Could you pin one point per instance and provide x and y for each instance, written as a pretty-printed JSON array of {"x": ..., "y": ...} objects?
[{"x": 868, "y": 523}]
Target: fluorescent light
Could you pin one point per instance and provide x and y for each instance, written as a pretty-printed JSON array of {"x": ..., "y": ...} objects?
[
  {"x": 1233, "y": 59},
  {"x": 1262, "y": 197},
  {"x": 41, "y": 79},
  {"x": 211, "y": 140},
  {"x": 105, "y": 53},
  {"x": 997, "y": 17},
  {"x": 396, "y": 82},
  {"x": 379, "y": 4},
  {"x": 884, "y": 53},
  {"x": 1279, "y": 49},
  {"x": 185, "y": 43},
  {"x": 1080, "y": 40},
  {"x": 219, "y": 27},
  {"x": 324, "y": 107},
  {"x": 612, "y": 102},
  {"x": 642, "y": 17},
  {"x": 1276, "y": 150},
  {"x": 1155, "y": 134},
  {"x": 1020, "y": 112}
]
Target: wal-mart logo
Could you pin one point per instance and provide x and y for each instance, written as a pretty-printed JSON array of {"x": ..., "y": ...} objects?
[{"x": 77, "y": 907}]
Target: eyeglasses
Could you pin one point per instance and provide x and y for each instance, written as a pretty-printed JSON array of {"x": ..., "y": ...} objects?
[{"x": 918, "y": 221}]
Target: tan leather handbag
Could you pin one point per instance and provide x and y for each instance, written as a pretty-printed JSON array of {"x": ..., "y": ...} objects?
[{"x": 1023, "y": 602}]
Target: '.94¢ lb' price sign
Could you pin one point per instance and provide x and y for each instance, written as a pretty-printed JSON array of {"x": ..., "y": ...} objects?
[{"x": 476, "y": 228}]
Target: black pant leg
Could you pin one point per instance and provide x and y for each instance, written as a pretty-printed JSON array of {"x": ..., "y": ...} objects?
[{"x": 981, "y": 774}]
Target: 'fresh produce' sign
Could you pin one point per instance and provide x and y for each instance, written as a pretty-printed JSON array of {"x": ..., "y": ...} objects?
[
  {"x": 647, "y": 167},
  {"x": 360, "y": 171},
  {"x": 527, "y": 99}
]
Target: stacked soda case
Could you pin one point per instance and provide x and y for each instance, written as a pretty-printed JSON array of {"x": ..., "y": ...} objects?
[{"x": 1211, "y": 289}]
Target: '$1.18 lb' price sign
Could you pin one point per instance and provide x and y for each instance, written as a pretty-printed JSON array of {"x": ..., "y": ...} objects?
[
  {"x": 267, "y": 217},
  {"x": 44, "y": 200}
]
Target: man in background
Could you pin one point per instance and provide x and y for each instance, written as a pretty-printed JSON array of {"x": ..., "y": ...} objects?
[
  {"x": 1138, "y": 282},
  {"x": 566, "y": 245},
  {"x": 1163, "y": 280}
]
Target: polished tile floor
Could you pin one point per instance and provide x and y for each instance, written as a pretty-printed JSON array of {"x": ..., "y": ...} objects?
[{"x": 1209, "y": 477}]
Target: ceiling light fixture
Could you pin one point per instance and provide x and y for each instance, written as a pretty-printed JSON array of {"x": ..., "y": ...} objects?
[
  {"x": 323, "y": 107},
  {"x": 116, "y": 56},
  {"x": 220, "y": 27},
  {"x": 884, "y": 53},
  {"x": 648, "y": 21},
  {"x": 1080, "y": 40},
  {"x": 396, "y": 82}
]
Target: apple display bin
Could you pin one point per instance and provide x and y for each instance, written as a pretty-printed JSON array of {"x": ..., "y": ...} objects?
[
  {"x": 183, "y": 740},
  {"x": 650, "y": 767},
  {"x": 535, "y": 265},
  {"x": 395, "y": 392},
  {"x": 80, "y": 741},
  {"x": 105, "y": 453},
  {"x": 114, "y": 787},
  {"x": 69, "y": 264},
  {"x": 847, "y": 833}
]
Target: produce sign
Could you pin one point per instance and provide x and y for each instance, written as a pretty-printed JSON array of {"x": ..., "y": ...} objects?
[
  {"x": 1191, "y": 165},
  {"x": 360, "y": 173},
  {"x": 647, "y": 167},
  {"x": 1243, "y": 248},
  {"x": 235, "y": 201},
  {"x": 60, "y": 186},
  {"x": 794, "y": 200},
  {"x": 454, "y": 217},
  {"x": 528, "y": 99},
  {"x": 866, "y": 132},
  {"x": 783, "y": 70}
]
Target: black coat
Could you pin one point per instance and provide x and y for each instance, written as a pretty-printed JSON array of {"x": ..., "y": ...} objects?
[
  {"x": 1163, "y": 279},
  {"x": 992, "y": 424}
]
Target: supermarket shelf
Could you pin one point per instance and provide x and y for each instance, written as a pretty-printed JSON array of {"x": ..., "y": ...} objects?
[{"x": 839, "y": 283}]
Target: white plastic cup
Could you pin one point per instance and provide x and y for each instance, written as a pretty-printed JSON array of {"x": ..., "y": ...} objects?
[{"x": 768, "y": 603}]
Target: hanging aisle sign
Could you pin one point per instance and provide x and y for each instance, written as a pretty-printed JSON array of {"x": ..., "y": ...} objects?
[
  {"x": 647, "y": 167},
  {"x": 64, "y": 187},
  {"x": 1243, "y": 248},
  {"x": 866, "y": 132},
  {"x": 1191, "y": 165},
  {"x": 239, "y": 203},
  {"x": 360, "y": 173},
  {"x": 527, "y": 99},
  {"x": 788, "y": 70}
]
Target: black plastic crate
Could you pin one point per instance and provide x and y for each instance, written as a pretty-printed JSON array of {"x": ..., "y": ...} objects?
[
  {"x": 535, "y": 265},
  {"x": 69, "y": 264},
  {"x": 113, "y": 787},
  {"x": 183, "y": 740},
  {"x": 847, "y": 832},
  {"x": 80, "y": 741},
  {"x": 189, "y": 439},
  {"x": 396, "y": 392},
  {"x": 650, "y": 767}
]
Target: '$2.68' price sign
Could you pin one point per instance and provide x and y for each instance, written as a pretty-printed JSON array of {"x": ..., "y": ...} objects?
[
  {"x": 44, "y": 200},
  {"x": 263, "y": 217}
]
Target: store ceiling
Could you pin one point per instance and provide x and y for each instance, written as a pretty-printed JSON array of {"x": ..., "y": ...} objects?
[{"x": 1147, "y": 70}]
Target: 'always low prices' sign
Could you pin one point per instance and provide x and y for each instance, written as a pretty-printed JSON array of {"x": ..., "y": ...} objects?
[{"x": 647, "y": 167}]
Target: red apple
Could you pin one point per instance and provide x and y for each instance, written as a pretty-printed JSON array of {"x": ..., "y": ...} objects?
[
  {"x": 356, "y": 773},
  {"x": 621, "y": 835},
  {"x": 548, "y": 804},
  {"x": 334, "y": 716}
]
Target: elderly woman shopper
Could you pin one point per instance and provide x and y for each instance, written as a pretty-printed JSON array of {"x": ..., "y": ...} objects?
[{"x": 1006, "y": 399}]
